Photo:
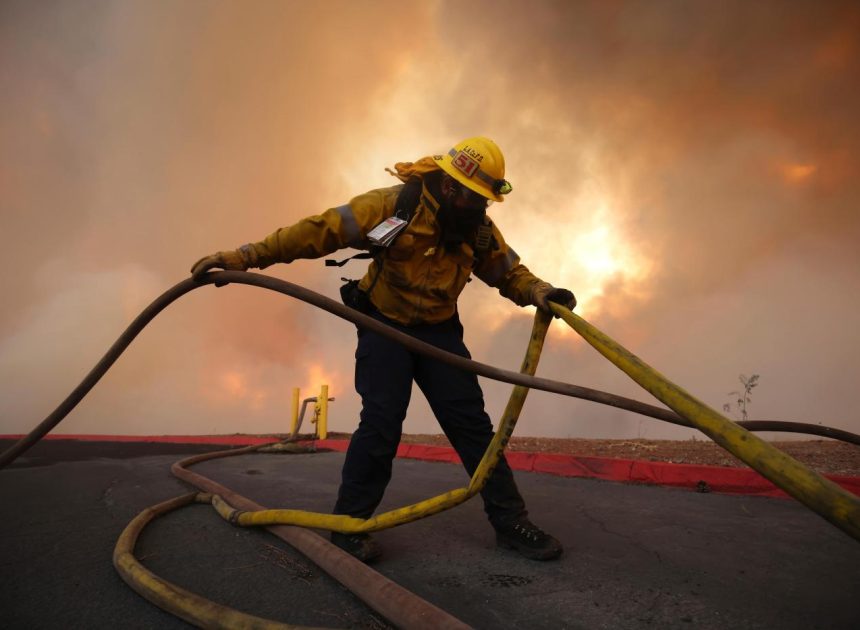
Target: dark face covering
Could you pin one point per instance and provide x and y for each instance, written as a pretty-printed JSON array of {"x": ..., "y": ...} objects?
[{"x": 460, "y": 214}]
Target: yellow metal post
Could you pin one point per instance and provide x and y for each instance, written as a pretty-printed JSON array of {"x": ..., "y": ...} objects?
[
  {"x": 294, "y": 424},
  {"x": 322, "y": 423}
]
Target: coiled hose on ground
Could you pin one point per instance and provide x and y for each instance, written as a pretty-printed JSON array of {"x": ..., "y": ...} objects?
[{"x": 819, "y": 494}]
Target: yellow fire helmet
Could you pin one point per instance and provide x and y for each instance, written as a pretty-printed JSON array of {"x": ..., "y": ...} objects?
[{"x": 479, "y": 165}]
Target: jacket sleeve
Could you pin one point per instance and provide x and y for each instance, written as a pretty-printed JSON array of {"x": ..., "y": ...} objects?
[
  {"x": 322, "y": 234},
  {"x": 501, "y": 268}
]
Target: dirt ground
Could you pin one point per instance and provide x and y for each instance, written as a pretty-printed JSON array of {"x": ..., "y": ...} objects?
[{"x": 825, "y": 456}]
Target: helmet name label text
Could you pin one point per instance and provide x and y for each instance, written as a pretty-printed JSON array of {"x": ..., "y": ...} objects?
[{"x": 473, "y": 153}]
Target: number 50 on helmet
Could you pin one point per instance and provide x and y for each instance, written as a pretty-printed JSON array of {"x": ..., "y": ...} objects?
[{"x": 479, "y": 165}]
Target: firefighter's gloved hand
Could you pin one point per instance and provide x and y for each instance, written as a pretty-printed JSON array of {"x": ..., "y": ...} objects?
[
  {"x": 564, "y": 297},
  {"x": 544, "y": 292},
  {"x": 232, "y": 260}
]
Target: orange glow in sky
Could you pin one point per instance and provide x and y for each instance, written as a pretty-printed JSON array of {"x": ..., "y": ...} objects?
[
  {"x": 240, "y": 388},
  {"x": 696, "y": 189}
]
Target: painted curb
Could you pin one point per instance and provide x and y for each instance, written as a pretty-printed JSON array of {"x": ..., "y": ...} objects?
[{"x": 720, "y": 479}]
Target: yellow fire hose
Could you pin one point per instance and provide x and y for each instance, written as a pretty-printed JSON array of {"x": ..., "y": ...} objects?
[
  {"x": 819, "y": 494},
  {"x": 829, "y": 500},
  {"x": 170, "y": 597}
]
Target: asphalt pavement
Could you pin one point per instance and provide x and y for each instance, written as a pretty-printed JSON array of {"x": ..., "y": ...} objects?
[{"x": 635, "y": 556}]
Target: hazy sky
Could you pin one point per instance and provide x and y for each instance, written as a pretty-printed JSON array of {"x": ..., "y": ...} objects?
[{"x": 688, "y": 169}]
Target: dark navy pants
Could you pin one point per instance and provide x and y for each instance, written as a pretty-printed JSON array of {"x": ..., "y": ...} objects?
[{"x": 384, "y": 371}]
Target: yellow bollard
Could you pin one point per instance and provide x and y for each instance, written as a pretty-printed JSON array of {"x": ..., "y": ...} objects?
[
  {"x": 322, "y": 422},
  {"x": 294, "y": 424}
]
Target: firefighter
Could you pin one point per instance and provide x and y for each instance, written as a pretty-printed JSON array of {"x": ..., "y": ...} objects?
[{"x": 412, "y": 285}]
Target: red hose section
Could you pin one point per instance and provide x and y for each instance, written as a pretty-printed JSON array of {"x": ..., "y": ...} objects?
[{"x": 395, "y": 603}]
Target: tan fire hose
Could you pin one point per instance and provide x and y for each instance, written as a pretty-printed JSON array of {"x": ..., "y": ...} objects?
[{"x": 823, "y": 496}]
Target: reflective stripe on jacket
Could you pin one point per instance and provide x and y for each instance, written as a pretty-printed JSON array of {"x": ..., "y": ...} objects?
[{"x": 421, "y": 279}]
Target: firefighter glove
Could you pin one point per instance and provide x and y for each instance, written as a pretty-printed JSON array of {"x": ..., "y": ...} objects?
[
  {"x": 544, "y": 292},
  {"x": 235, "y": 260}
]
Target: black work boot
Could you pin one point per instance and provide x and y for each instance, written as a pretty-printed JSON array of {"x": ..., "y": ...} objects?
[
  {"x": 529, "y": 540},
  {"x": 359, "y": 546}
]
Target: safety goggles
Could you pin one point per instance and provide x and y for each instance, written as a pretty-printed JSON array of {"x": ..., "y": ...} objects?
[{"x": 470, "y": 199}]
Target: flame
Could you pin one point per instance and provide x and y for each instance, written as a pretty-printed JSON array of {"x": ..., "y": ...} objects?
[
  {"x": 317, "y": 376},
  {"x": 797, "y": 173}
]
